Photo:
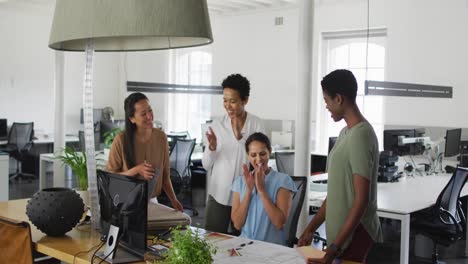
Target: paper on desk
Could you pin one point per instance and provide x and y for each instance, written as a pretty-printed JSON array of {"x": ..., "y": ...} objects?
[
  {"x": 257, "y": 252},
  {"x": 310, "y": 252}
]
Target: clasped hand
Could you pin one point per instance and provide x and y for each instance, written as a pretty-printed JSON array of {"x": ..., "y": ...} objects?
[
  {"x": 255, "y": 178},
  {"x": 146, "y": 170}
]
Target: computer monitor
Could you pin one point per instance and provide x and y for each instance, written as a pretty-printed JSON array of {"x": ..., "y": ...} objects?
[
  {"x": 391, "y": 141},
  {"x": 318, "y": 163},
  {"x": 97, "y": 115},
  {"x": 107, "y": 125},
  {"x": 452, "y": 142},
  {"x": 3, "y": 129},
  {"x": 124, "y": 203}
]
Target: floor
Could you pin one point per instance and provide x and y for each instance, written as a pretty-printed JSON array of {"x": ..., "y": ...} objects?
[{"x": 382, "y": 253}]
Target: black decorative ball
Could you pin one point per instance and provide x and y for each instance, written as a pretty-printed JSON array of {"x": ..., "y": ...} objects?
[{"x": 55, "y": 211}]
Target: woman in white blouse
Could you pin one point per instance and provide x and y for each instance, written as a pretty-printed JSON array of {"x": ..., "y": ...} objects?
[{"x": 225, "y": 153}]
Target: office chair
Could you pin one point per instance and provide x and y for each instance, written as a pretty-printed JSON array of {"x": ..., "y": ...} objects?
[
  {"x": 16, "y": 245},
  {"x": 285, "y": 162},
  {"x": 172, "y": 137},
  {"x": 181, "y": 176},
  {"x": 18, "y": 146},
  {"x": 293, "y": 218},
  {"x": 444, "y": 223}
]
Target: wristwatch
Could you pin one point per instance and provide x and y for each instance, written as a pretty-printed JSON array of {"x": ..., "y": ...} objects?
[{"x": 335, "y": 249}]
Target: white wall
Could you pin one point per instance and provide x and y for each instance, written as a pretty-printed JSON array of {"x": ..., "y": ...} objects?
[
  {"x": 426, "y": 44},
  {"x": 26, "y": 67},
  {"x": 27, "y": 72},
  {"x": 252, "y": 45}
]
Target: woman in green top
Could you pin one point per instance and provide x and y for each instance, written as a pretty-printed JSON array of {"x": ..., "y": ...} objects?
[{"x": 350, "y": 209}]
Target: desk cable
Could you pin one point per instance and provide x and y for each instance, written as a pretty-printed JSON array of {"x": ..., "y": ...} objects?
[
  {"x": 94, "y": 253},
  {"x": 82, "y": 252},
  {"x": 415, "y": 166}
]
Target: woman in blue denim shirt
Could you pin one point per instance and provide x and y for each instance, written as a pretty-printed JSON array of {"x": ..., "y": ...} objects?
[{"x": 262, "y": 197}]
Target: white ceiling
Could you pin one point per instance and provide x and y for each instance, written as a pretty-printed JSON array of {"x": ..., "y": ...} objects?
[{"x": 216, "y": 7}]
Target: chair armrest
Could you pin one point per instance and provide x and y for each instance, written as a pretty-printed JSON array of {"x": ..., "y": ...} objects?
[{"x": 452, "y": 217}]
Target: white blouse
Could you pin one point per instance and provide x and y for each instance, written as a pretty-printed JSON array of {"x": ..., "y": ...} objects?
[{"x": 225, "y": 163}]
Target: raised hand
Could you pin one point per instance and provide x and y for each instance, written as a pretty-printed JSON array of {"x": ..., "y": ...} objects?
[
  {"x": 212, "y": 141},
  {"x": 260, "y": 179},
  {"x": 248, "y": 178}
]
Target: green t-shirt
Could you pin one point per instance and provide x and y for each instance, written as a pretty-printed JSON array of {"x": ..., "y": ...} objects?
[{"x": 356, "y": 151}]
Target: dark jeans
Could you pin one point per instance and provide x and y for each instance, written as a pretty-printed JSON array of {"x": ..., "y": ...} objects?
[{"x": 217, "y": 216}]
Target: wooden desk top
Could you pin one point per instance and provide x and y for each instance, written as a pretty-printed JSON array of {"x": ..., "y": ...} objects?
[{"x": 79, "y": 239}]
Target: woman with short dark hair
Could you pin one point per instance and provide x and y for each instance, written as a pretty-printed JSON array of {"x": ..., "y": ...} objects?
[
  {"x": 350, "y": 209},
  {"x": 224, "y": 155}
]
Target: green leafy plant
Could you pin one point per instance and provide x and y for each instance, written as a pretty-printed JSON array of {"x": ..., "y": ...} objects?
[
  {"x": 189, "y": 247},
  {"x": 77, "y": 162},
  {"x": 110, "y": 135}
]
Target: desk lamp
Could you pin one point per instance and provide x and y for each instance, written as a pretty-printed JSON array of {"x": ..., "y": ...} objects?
[{"x": 123, "y": 25}]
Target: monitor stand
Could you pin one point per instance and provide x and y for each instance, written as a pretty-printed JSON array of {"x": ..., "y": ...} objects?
[
  {"x": 113, "y": 253},
  {"x": 121, "y": 256}
]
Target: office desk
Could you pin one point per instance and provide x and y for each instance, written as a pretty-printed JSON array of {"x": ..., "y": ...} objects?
[
  {"x": 398, "y": 200},
  {"x": 68, "y": 248}
]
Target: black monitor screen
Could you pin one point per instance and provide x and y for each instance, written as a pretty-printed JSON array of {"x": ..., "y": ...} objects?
[
  {"x": 3, "y": 128},
  {"x": 107, "y": 125},
  {"x": 318, "y": 163},
  {"x": 452, "y": 142},
  {"x": 391, "y": 141},
  {"x": 123, "y": 202},
  {"x": 97, "y": 115}
]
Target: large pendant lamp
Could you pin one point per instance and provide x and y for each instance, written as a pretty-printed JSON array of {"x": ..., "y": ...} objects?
[{"x": 123, "y": 25}]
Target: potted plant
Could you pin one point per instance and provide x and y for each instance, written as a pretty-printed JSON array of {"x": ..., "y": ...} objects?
[
  {"x": 77, "y": 162},
  {"x": 189, "y": 247},
  {"x": 109, "y": 138}
]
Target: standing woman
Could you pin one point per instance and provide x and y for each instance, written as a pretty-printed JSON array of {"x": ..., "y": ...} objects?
[
  {"x": 350, "y": 209},
  {"x": 225, "y": 153},
  {"x": 141, "y": 150}
]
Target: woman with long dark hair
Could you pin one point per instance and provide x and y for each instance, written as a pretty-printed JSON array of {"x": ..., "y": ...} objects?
[
  {"x": 141, "y": 150},
  {"x": 261, "y": 197}
]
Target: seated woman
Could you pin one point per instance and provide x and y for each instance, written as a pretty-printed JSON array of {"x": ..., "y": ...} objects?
[{"x": 261, "y": 197}]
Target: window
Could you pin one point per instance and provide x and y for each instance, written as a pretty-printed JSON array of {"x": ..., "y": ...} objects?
[
  {"x": 347, "y": 50},
  {"x": 186, "y": 112}
]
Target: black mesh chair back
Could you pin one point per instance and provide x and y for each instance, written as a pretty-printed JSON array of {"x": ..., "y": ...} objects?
[
  {"x": 285, "y": 162},
  {"x": 448, "y": 199},
  {"x": 18, "y": 146},
  {"x": 172, "y": 138},
  {"x": 180, "y": 156},
  {"x": 20, "y": 136},
  {"x": 298, "y": 198},
  {"x": 181, "y": 176},
  {"x": 444, "y": 223}
]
